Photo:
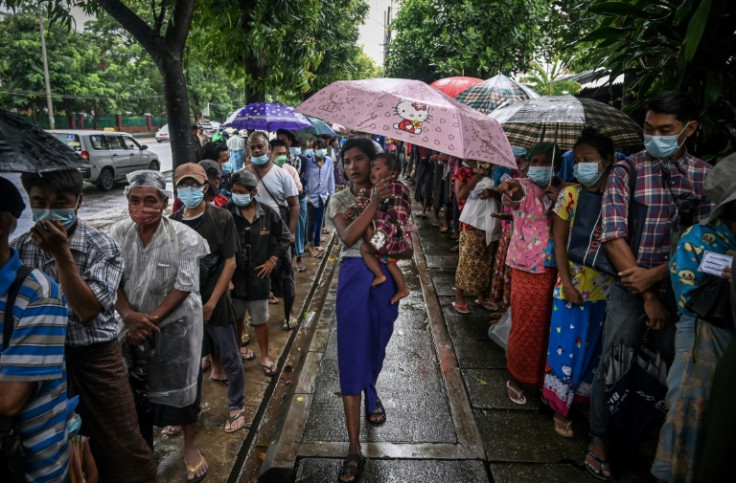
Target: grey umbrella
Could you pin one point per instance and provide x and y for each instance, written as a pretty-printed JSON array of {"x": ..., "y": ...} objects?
[{"x": 26, "y": 148}]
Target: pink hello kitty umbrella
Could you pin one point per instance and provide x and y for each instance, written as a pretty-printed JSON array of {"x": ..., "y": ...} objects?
[{"x": 414, "y": 112}]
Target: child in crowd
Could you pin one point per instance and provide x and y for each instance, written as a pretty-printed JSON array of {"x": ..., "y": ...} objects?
[{"x": 391, "y": 226}]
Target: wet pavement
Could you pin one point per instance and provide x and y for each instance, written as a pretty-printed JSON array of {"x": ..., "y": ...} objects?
[{"x": 443, "y": 385}]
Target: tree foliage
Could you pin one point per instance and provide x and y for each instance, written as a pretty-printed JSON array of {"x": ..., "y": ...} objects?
[
  {"x": 673, "y": 44},
  {"x": 546, "y": 81},
  {"x": 481, "y": 38},
  {"x": 282, "y": 49}
]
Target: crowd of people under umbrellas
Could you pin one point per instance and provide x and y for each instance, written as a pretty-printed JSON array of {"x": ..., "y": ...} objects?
[{"x": 142, "y": 304}]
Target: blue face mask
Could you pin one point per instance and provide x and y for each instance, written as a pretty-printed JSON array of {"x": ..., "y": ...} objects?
[
  {"x": 295, "y": 151},
  {"x": 663, "y": 146},
  {"x": 66, "y": 216},
  {"x": 540, "y": 175},
  {"x": 191, "y": 196},
  {"x": 260, "y": 160},
  {"x": 227, "y": 168},
  {"x": 587, "y": 173},
  {"x": 241, "y": 200},
  {"x": 309, "y": 152},
  {"x": 321, "y": 153}
]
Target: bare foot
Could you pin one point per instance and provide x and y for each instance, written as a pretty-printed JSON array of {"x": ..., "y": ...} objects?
[
  {"x": 194, "y": 460},
  {"x": 378, "y": 280},
  {"x": 400, "y": 294}
]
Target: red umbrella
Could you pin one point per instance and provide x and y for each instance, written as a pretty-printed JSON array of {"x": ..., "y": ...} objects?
[{"x": 452, "y": 86}]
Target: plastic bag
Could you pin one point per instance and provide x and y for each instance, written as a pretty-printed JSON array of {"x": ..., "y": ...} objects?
[{"x": 499, "y": 332}]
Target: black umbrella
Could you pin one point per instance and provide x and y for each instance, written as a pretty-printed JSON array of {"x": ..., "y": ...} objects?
[{"x": 26, "y": 148}]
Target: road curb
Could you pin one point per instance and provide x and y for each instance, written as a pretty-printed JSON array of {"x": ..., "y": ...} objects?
[{"x": 276, "y": 406}]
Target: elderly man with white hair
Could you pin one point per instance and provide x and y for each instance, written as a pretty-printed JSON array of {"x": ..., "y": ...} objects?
[{"x": 161, "y": 309}]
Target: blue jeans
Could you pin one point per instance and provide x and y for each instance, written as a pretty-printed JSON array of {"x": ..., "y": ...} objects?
[
  {"x": 624, "y": 323},
  {"x": 300, "y": 235}
]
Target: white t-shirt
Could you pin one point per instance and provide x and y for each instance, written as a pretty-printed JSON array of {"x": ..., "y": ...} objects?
[{"x": 278, "y": 186}]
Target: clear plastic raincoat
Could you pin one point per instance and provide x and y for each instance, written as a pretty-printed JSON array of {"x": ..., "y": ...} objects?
[{"x": 168, "y": 361}]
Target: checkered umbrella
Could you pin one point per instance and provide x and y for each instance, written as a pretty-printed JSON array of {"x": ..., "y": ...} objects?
[
  {"x": 560, "y": 119},
  {"x": 267, "y": 116},
  {"x": 494, "y": 93}
]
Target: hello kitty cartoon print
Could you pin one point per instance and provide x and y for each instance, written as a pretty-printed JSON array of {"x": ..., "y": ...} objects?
[{"x": 413, "y": 115}]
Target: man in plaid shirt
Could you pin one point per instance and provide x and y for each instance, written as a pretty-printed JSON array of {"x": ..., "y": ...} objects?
[
  {"x": 669, "y": 182},
  {"x": 88, "y": 265}
]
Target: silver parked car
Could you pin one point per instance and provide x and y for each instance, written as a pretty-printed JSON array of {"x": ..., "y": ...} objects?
[{"x": 111, "y": 155}]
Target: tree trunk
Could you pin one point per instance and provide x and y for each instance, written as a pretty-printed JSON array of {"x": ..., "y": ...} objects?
[
  {"x": 257, "y": 70},
  {"x": 183, "y": 149}
]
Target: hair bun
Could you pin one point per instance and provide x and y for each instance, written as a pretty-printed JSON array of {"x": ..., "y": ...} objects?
[{"x": 589, "y": 132}]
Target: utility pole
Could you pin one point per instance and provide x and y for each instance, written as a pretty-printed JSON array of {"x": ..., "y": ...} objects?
[
  {"x": 386, "y": 33},
  {"x": 49, "y": 103}
]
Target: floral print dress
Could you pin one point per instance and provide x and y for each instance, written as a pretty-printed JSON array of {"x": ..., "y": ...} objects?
[{"x": 575, "y": 331}]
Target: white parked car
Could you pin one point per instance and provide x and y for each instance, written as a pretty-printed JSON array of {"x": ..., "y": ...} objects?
[
  {"x": 111, "y": 155},
  {"x": 163, "y": 133}
]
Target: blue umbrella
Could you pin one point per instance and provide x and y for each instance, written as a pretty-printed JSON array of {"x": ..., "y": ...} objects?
[
  {"x": 267, "y": 116},
  {"x": 319, "y": 127}
]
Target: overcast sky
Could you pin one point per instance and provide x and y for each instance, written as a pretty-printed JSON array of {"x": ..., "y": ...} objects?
[{"x": 371, "y": 33}]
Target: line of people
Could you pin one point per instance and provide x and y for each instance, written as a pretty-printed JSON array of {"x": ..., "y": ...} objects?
[
  {"x": 628, "y": 257},
  {"x": 110, "y": 329}
]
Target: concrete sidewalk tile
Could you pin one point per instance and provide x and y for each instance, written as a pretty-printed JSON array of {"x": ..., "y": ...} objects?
[
  {"x": 548, "y": 473},
  {"x": 526, "y": 436},
  {"x": 487, "y": 390},
  {"x": 478, "y": 354},
  {"x": 472, "y": 326},
  {"x": 319, "y": 470},
  {"x": 448, "y": 261}
]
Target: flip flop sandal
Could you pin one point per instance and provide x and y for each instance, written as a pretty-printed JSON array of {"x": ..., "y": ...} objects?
[
  {"x": 444, "y": 229},
  {"x": 490, "y": 306},
  {"x": 231, "y": 419},
  {"x": 247, "y": 354},
  {"x": 301, "y": 268},
  {"x": 378, "y": 410},
  {"x": 271, "y": 370},
  {"x": 461, "y": 309},
  {"x": 195, "y": 468},
  {"x": 172, "y": 430},
  {"x": 563, "y": 429},
  {"x": 245, "y": 339},
  {"x": 224, "y": 382},
  {"x": 353, "y": 467},
  {"x": 515, "y": 395},
  {"x": 273, "y": 300},
  {"x": 597, "y": 473},
  {"x": 290, "y": 324}
]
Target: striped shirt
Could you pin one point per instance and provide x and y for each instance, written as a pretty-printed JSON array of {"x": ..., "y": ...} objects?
[
  {"x": 658, "y": 183},
  {"x": 100, "y": 263},
  {"x": 36, "y": 354}
]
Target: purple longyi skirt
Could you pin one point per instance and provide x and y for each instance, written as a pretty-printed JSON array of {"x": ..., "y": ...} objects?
[{"x": 365, "y": 322}]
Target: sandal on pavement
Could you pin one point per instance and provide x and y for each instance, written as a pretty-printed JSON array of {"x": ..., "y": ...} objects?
[
  {"x": 230, "y": 420},
  {"x": 461, "y": 308},
  {"x": 172, "y": 430},
  {"x": 352, "y": 466},
  {"x": 245, "y": 339},
  {"x": 290, "y": 324},
  {"x": 224, "y": 382},
  {"x": 195, "y": 468},
  {"x": 488, "y": 305},
  {"x": 273, "y": 300},
  {"x": 516, "y": 395},
  {"x": 301, "y": 268},
  {"x": 444, "y": 229},
  {"x": 562, "y": 428},
  {"x": 379, "y": 411},
  {"x": 271, "y": 370},
  {"x": 247, "y": 354},
  {"x": 602, "y": 462}
]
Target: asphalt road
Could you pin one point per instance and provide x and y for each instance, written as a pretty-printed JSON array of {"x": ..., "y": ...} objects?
[{"x": 100, "y": 208}]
